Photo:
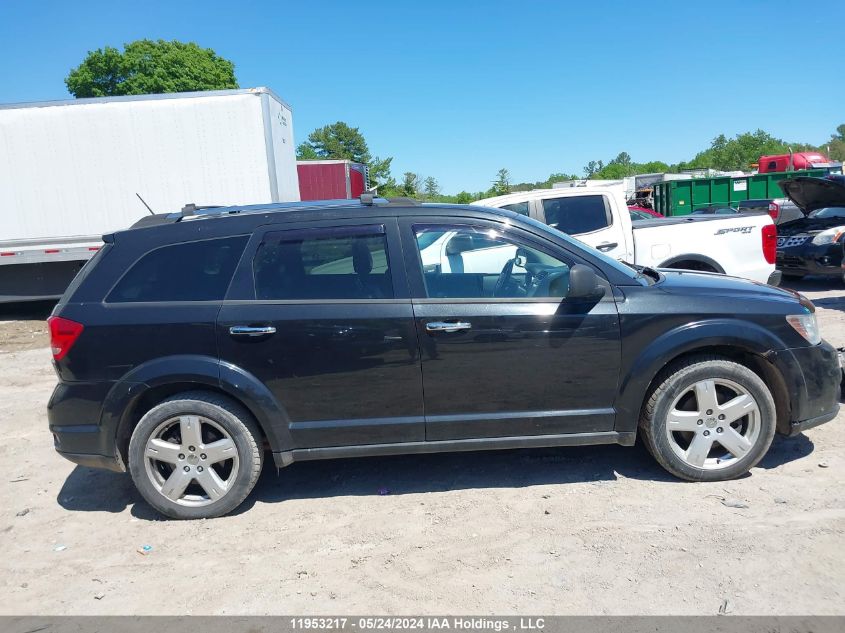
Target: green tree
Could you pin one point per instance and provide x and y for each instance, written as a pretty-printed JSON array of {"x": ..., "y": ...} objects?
[
  {"x": 739, "y": 152},
  {"x": 342, "y": 142},
  {"x": 835, "y": 147},
  {"x": 431, "y": 188},
  {"x": 410, "y": 185},
  {"x": 502, "y": 184},
  {"x": 592, "y": 168},
  {"x": 150, "y": 67}
]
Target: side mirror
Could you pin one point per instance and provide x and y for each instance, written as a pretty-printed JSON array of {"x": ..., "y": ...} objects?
[
  {"x": 521, "y": 258},
  {"x": 583, "y": 283}
]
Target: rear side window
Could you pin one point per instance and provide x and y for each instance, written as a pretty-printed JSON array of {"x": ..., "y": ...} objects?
[
  {"x": 191, "y": 271},
  {"x": 577, "y": 214},
  {"x": 341, "y": 263},
  {"x": 518, "y": 207}
]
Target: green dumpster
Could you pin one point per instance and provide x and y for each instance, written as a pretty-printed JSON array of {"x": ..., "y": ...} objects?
[{"x": 681, "y": 197}]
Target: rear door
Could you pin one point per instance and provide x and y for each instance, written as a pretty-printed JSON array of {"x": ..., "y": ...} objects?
[
  {"x": 320, "y": 313},
  {"x": 504, "y": 351}
]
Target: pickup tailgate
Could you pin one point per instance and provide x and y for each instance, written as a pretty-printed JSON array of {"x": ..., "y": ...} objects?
[{"x": 733, "y": 245}]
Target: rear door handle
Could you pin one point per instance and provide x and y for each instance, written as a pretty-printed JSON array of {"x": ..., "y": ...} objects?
[
  {"x": 607, "y": 246},
  {"x": 249, "y": 330},
  {"x": 443, "y": 326}
]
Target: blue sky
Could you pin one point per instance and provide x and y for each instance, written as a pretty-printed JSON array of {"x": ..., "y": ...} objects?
[{"x": 457, "y": 90}]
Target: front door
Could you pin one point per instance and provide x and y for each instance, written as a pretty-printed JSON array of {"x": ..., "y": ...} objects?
[
  {"x": 504, "y": 351},
  {"x": 322, "y": 317}
]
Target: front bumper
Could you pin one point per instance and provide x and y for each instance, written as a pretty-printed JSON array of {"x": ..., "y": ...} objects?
[
  {"x": 812, "y": 376},
  {"x": 809, "y": 259}
]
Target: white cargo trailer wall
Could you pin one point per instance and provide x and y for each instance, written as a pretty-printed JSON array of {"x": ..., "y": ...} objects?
[{"x": 71, "y": 170}]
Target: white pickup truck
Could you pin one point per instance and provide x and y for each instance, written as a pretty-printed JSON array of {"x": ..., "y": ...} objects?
[{"x": 740, "y": 245}]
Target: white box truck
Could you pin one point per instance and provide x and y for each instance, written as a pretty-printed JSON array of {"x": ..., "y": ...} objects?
[{"x": 71, "y": 171}]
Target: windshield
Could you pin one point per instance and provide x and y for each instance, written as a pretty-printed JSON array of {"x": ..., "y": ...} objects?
[
  {"x": 828, "y": 212},
  {"x": 613, "y": 263}
]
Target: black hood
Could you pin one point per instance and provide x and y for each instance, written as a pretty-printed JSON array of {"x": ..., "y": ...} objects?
[{"x": 815, "y": 193}]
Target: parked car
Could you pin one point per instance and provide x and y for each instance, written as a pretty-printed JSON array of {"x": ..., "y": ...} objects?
[
  {"x": 781, "y": 210},
  {"x": 650, "y": 213},
  {"x": 743, "y": 246},
  {"x": 188, "y": 345},
  {"x": 715, "y": 209},
  {"x": 814, "y": 245},
  {"x": 639, "y": 215}
]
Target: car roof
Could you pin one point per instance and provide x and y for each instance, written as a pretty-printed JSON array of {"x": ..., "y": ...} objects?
[{"x": 247, "y": 217}]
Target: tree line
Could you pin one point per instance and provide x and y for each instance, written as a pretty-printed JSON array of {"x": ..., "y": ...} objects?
[{"x": 151, "y": 67}]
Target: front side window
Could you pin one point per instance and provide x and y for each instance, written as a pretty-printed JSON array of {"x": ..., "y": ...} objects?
[
  {"x": 323, "y": 264},
  {"x": 191, "y": 271},
  {"x": 469, "y": 262},
  {"x": 575, "y": 215}
]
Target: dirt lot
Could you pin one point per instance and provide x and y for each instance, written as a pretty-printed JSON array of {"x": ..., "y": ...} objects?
[{"x": 576, "y": 530}]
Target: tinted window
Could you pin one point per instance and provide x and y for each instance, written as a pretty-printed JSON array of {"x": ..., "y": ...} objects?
[
  {"x": 473, "y": 263},
  {"x": 577, "y": 214},
  {"x": 828, "y": 212},
  {"x": 191, "y": 271},
  {"x": 519, "y": 207},
  {"x": 333, "y": 264}
]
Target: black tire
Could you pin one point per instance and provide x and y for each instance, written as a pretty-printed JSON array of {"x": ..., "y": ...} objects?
[
  {"x": 679, "y": 377},
  {"x": 220, "y": 410},
  {"x": 792, "y": 277}
]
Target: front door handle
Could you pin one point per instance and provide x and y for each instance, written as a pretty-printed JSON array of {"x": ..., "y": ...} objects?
[
  {"x": 449, "y": 328},
  {"x": 607, "y": 246},
  {"x": 249, "y": 330}
]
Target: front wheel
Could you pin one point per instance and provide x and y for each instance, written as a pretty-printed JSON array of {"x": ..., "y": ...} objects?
[
  {"x": 708, "y": 419},
  {"x": 196, "y": 455}
]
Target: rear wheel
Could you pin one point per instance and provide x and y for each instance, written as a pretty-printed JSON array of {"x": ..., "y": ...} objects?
[
  {"x": 196, "y": 455},
  {"x": 708, "y": 419}
]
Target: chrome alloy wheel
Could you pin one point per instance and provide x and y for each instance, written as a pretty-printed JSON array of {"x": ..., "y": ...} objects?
[
  {"x": 191, "y": 460},
  {"x": 713, "y": 423}
]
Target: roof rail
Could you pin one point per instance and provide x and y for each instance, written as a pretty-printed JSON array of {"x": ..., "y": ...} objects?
[
  {"x": 403, "y": 202},
  {"x": 192, "y": 208}
]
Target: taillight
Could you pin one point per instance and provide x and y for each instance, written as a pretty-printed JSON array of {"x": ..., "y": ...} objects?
[
  {"x": 774, "y": 210},
  {"x": 63, "y": 334},
  {"x": 770, "y": 242}
]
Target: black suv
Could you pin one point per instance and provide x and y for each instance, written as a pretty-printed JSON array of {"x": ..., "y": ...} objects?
[{"x": 191, "y": 344}]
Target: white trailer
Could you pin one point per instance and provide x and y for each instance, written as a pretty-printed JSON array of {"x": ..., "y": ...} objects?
[{"x": 71, "y": 171}]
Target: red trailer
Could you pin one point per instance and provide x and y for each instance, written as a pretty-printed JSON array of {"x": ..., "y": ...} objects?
[{"x": 331, "y": 179}]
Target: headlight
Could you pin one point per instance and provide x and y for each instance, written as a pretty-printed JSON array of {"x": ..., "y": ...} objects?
[
  {"x": 807, "y": 326},
  {"x": 829, "y": 236}
]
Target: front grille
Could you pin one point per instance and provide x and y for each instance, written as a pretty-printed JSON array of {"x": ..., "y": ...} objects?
[{"x": 786, "y": 242}]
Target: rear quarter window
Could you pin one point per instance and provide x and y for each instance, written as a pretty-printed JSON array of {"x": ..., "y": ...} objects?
[{"x": 190, "y": 271}]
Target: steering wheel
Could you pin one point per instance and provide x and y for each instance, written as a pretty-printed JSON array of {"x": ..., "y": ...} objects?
[{"x": 504, "y": 279}]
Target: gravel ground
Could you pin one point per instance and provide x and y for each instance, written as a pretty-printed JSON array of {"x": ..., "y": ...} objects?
[{"x": 599, "y": 530}]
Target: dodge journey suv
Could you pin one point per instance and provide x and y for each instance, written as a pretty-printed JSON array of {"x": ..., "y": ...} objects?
[{"x": 192, "y": 345}]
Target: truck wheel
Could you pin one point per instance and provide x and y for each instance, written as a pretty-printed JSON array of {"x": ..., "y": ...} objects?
[
  {"x": 708, "y": 419},
  {"x": 197, "y": 455}
]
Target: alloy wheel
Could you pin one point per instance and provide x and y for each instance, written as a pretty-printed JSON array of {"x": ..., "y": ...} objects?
[
  {"x": 191, "y": 460},
  {"x": 713, "y": 423}
]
